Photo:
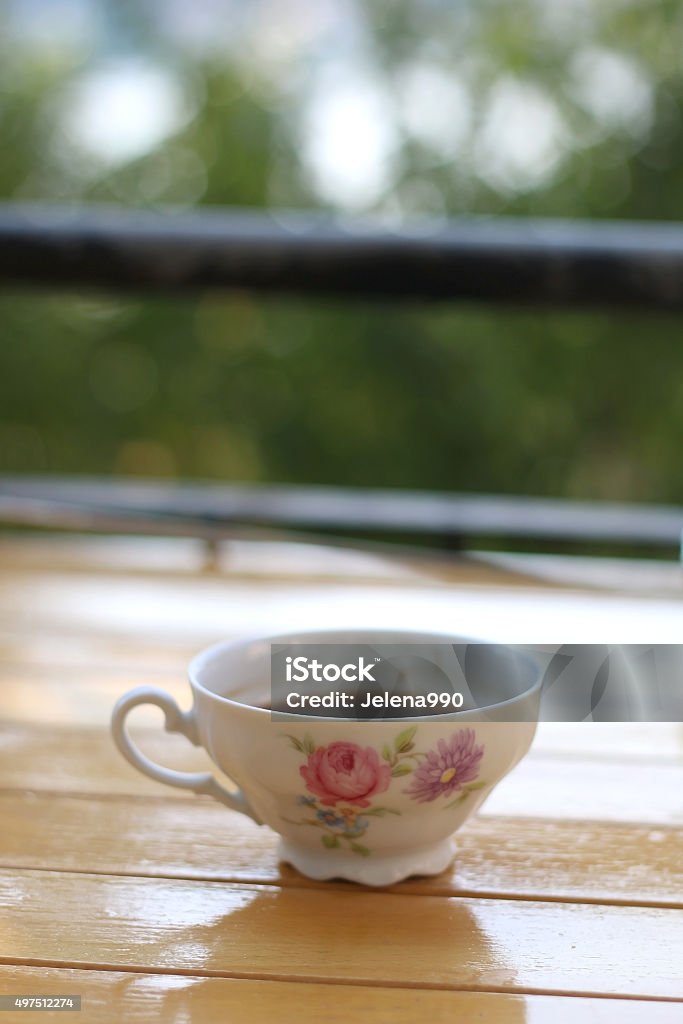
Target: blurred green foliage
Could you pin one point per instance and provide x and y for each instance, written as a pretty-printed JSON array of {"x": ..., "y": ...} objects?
[{"x": 235, "y": 387}]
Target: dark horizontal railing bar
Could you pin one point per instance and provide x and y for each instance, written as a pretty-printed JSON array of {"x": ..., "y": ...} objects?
[
  {"x": 490, "y": 260},
  {"x": 210, "y": 510}
]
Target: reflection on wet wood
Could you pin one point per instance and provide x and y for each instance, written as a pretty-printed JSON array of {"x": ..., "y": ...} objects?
[
  {"x": 496, "y": 857},
  {"x": 353, "y": 935},
  {"x": 569, "y": 881},
  {"x": 150, "y": 998}
]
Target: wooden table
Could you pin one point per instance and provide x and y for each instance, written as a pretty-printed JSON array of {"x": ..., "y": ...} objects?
[{"x": 565, "y": 902}]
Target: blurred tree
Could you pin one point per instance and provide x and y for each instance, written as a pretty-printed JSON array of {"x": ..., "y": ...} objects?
[{"x": 537, "y": 109}]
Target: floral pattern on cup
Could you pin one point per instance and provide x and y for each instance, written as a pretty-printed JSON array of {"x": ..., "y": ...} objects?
[
  {"x": 344, "y": 777},
  {"x": 345, "y": 772},
  {"x": 451, "y": 768}
]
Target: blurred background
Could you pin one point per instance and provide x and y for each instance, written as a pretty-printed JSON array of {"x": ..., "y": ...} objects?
[{"x": 400, "y": 112}]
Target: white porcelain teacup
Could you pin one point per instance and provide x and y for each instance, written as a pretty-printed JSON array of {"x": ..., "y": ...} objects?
[{"x": 371, "y": 801}]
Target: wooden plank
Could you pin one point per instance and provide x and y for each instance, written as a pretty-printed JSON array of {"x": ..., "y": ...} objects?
[
  {"x": 84, "y": 694},
  {"x": 84, "y": 760},
  {"x": 45, "y": 649},
  {"x": 264, "y": 555},
  {"x": 42, "y": 554},
  {"x": 295, "y": 558},
  {"x": 630, "y": 741},
  {"x": 142, "y": 998},
  {"x": 350, "y": 935},
  {"x": 568, "y": 787},
  {"x": 81, "y": 696},
  {"x": 200, "y": 840},
  {"x": 646, "y": 576},
  {"x": 182, "y": 614}
]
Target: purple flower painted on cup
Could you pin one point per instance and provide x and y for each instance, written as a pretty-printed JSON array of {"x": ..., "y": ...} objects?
[{"x": 448, "y": 768}]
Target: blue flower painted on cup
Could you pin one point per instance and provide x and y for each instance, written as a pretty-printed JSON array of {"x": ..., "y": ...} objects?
[
  {"x": 330, "y": 818},
  {"x": 306, "y": 801}
]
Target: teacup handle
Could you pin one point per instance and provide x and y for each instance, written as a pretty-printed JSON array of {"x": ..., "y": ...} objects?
[{"x": 175, "y": 721}]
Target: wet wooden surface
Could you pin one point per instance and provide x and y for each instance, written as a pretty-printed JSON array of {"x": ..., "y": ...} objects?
[{"x": 565, "y": 901}]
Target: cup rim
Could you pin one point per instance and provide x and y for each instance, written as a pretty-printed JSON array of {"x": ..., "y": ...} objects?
[{"x": 207, "y": 654}]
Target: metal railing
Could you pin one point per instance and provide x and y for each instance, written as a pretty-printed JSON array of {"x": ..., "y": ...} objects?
[
  {"x": 547, "y": 263},
  {"x": 213, "y": 510},
  {"x": 534, "y": 262}
]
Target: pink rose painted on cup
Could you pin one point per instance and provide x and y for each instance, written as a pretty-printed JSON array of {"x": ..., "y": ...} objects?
[{"x": 345, "y": 772}]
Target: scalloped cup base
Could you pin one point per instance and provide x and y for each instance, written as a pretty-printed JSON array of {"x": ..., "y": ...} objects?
[{"x": 372, "y": 870}]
